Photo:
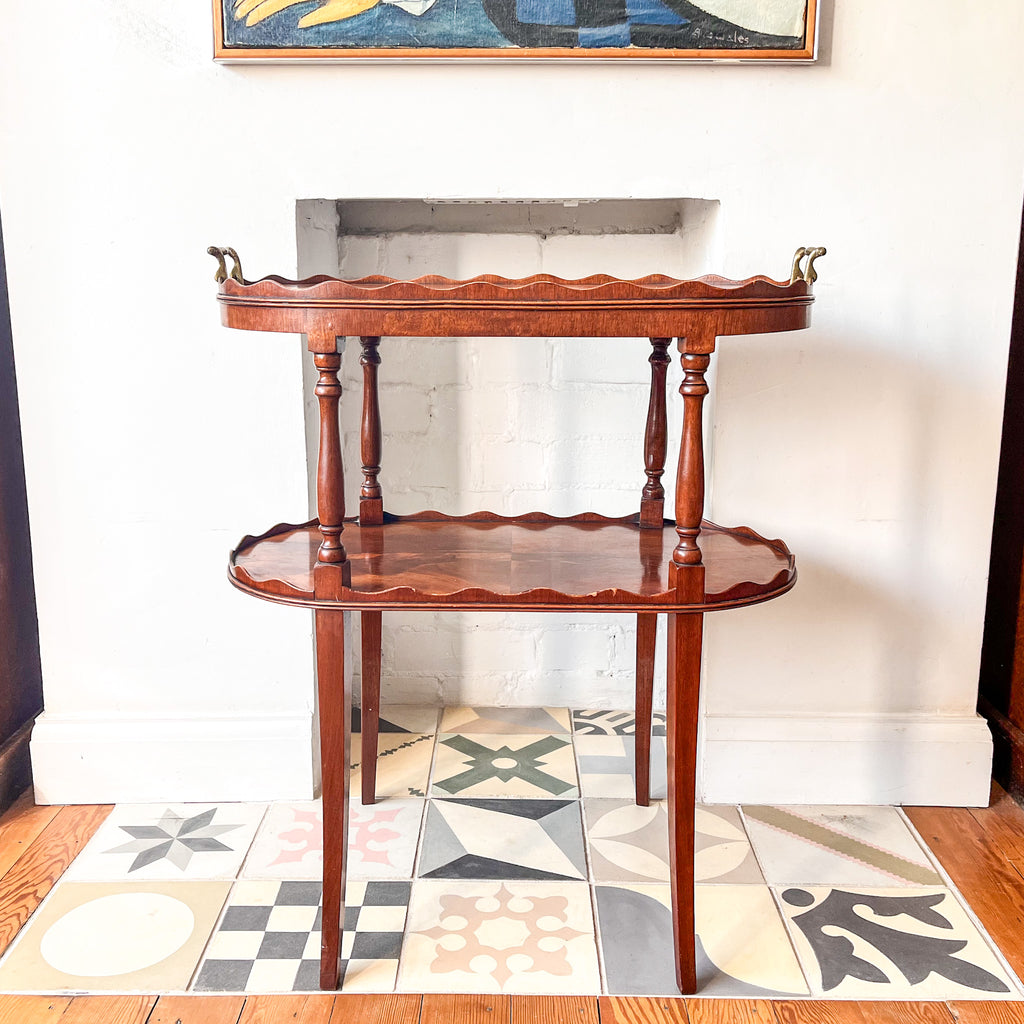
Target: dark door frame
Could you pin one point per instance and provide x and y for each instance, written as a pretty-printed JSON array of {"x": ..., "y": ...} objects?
[
  {"x": 1001, "y": 683},
  {"x": 21, "y": 684}
]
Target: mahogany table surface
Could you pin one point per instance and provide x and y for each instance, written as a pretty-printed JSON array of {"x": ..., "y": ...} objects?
[{"x": 607, "y": 565}]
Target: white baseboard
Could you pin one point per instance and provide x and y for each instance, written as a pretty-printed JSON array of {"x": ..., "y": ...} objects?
[
  {"x": 869, "y": 759},
  {"x": 940, "y": 760},
  {"x": 142, "y": 760}
]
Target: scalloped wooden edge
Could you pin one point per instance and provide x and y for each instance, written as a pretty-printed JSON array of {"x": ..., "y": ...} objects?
[
  {"x": 745, "y": 591},
  {"x": 249, "y": 540},
  {"x": 493, "y": 286},
  {"x": 746, "y": 531},
  {"x": 740, "y": 595},
  {"x": 487, "y": 517}
]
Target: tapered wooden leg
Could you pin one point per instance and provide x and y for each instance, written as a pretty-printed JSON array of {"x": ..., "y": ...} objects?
[
  {"x": 646, "y": 632},
  {"x": 684, "y": 656},
  {"x": 334, "y": 761},
  {"x": 369, "y": 711}
]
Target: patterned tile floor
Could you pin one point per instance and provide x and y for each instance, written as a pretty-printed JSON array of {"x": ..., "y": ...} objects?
[{"x": 505, "y": 854}]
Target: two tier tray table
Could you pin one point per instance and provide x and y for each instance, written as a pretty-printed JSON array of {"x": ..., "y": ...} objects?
[{"x": 644, "y": 564}]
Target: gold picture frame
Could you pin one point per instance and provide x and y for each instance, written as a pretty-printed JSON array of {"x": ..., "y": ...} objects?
[{"x": 342, "y": 31}]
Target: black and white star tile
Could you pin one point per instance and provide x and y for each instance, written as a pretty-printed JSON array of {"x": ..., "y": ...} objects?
[{"x": 169, "y": 841}]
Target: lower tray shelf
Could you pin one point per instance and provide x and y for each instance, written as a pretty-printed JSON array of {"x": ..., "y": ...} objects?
[{"x": 531, "y": 563}]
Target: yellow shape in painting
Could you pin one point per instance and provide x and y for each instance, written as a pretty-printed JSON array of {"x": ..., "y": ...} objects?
[
  {"x": 336, "y": 10},
  {"x": 243, "y": 7},
  {"x": 255, "y": 11}
]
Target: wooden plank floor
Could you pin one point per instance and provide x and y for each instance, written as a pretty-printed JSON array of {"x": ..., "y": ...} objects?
[{"x": 982, "y": 849}]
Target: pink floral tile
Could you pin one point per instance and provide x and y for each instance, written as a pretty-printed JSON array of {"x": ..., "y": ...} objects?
[
  {"x": 501, "y": 936},
  {"x": 381, "y": 844}
]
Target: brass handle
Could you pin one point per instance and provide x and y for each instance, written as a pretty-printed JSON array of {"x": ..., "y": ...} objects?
[
  {"x": 222, "y": 270},
  {"x": 806, "y": 273}
]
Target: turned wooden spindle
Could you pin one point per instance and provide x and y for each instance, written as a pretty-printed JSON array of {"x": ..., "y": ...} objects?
[
  {"x": 652, "y": 516},
  {"x": 330, "y": 477},
  {"x": 652, "y": 500},
  {"x": 690, "y": 473},
  {"x": 371, "y": 501}
]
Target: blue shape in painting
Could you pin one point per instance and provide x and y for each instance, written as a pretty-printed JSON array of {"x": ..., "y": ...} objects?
[
  {"x": 447, "y": 23},
  {"x": 546, "y": 12},
  {"x": 652, "y": 12},
  {"x": 605, "y": 35}
]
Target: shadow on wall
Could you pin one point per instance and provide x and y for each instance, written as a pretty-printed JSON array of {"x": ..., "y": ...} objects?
[{"x": 865, "y": 460}]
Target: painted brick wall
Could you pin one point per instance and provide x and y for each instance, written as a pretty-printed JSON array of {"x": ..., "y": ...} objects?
[{"x": 511, "y": 425}]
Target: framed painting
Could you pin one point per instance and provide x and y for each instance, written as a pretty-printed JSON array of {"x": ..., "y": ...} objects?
[{"x": 354, "y": 30}]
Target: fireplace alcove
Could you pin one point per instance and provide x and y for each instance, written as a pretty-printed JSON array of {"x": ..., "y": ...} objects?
[{"x": 434, "y": 391}]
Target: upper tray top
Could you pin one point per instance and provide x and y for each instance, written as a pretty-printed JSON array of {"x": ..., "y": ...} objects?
[
  {"x": 541, "y": 305},
  {"x": 489, "y": 288}
]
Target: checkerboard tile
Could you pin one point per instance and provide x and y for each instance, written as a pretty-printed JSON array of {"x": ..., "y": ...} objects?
[{"x": 269, "y": 938}]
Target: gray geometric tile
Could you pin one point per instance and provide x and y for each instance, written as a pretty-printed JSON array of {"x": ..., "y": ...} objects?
[
  {"x": 742, "y": 948},
  {"x": 630, "y": 843},
  {"x": 723, "y": 851},
  {"x": 627, "y": 843},
  {"x": 503, "y": 838},
  {"x": 607, "y": 766}
]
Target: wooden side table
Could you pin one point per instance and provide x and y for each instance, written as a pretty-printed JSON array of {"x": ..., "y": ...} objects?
[{"x": 644, "y": 563}]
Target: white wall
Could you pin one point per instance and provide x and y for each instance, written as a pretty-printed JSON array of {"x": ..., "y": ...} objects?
[{"x": 154, "y": 438}]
